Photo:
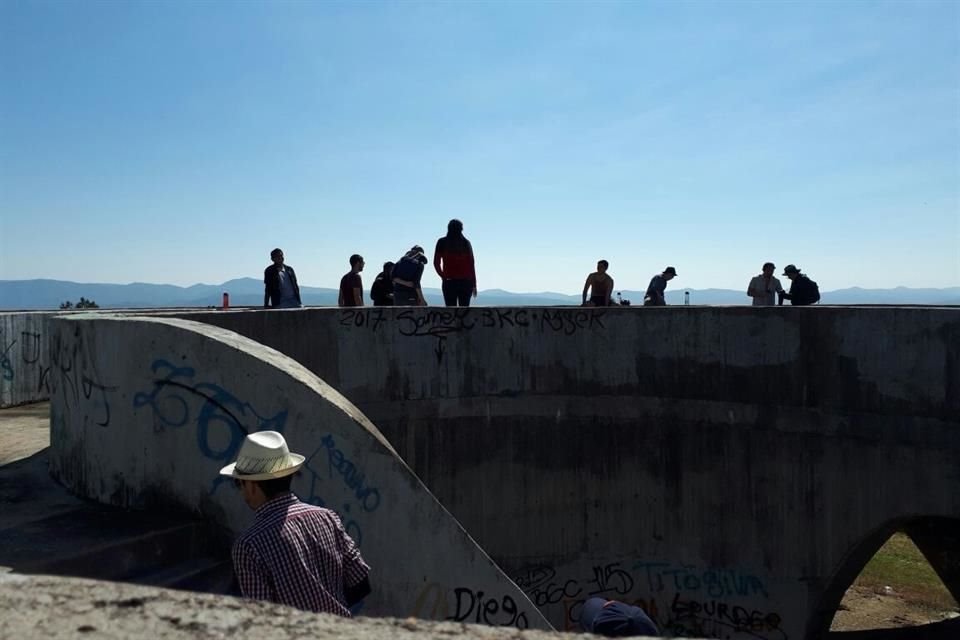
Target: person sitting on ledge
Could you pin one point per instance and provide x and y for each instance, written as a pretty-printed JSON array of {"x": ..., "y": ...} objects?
[{"x": 294, "y": 553}]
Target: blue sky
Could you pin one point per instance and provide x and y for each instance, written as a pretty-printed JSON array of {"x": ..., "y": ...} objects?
[{"x": 180, "y": 142}]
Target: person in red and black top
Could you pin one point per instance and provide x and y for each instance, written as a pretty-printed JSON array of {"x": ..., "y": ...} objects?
[{"x": 453, "y": 260}]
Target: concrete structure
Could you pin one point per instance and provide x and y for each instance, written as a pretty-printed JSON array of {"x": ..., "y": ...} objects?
[
  {"x": 45, "y": 607},
  {"x": 731, "y": 469},
  {"x": 146, "y": 411},
  {"x": 23, "y": 358}
]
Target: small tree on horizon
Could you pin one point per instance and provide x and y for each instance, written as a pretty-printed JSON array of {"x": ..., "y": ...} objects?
[{"x": 82, "y": 304}]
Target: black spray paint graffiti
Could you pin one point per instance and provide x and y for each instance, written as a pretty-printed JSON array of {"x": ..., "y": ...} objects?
[
  {"x": 464, "y": 604},
  {"x": 719, "y": 619},
  {"x": 6, "y": 366},
  {"x": 29, "y": 363},
  {"x": 75, "y": 373},
  {"x": 222, "y": 419},
  {"x": 700, "y": 605},
  {"x": 443, "y": 323},
  {"x": 30, "y": 344},
  {"x": 329, "y": 462}
]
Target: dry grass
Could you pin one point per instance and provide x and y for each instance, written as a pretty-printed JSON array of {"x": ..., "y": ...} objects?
[{"x": 900, "y": 565}]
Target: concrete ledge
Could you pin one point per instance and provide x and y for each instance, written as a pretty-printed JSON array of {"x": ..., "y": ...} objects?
[{"x": 48, "y": 607}]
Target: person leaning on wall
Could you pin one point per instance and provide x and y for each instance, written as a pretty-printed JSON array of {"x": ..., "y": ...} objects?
[
  {"x": 615, "y": 619},
  {"x": 406, "y": 279}
]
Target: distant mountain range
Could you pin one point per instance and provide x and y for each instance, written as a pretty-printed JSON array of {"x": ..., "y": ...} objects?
[{"x": 48, "y": 294}]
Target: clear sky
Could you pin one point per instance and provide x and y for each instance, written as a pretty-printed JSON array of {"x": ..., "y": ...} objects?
[{"x": 180, "y": 141}]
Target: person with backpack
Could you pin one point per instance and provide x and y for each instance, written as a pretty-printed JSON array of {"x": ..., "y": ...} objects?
[
  {"x": 406, "y": 279},
  {"x": 453, "y": 261},
  {"x": 382, "y": 290},
  {"x": 803, "y": 290}
]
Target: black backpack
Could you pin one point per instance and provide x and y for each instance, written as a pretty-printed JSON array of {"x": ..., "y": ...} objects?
[{"x": 814, "y": 292}]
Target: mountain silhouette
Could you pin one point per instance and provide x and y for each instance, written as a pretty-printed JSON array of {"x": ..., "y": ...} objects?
[{"x": 49, "y": 294}]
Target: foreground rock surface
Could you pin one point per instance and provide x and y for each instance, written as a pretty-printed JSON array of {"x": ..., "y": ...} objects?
[{"x": 52, "y": 607}]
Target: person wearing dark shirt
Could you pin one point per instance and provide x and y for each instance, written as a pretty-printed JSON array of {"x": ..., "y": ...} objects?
[
  {"x": 406, "y": 276},
  {"x": 351, "y": 286},
  {"x": 600, "y": 285},
  {"x": 656, "y": 290},
  {"x": 615, "y": 619},
  {"x": 381, "y": 292},
  {"x": 453, "y": 261},
  {"x": 280, "y": 289},
  {"x": 803, "y": 290}
]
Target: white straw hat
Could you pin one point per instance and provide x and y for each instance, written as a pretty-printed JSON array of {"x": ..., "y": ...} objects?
[{"x": 263, "y": 456}]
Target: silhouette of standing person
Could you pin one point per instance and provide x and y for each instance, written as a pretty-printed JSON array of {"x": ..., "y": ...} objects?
[{"x": 453, "y": 260}]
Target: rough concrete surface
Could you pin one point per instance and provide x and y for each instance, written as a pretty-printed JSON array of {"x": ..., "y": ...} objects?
[{"x": 47, "y": 607}]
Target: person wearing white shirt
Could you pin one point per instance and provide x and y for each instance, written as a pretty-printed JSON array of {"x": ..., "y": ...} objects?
[{"x": 764, "y": 287}]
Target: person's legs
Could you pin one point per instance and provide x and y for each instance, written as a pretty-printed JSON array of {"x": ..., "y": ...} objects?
[
  {"x": 464, "y": 290},
  {"x": 450, "y": 292},
  {"x": 404, "y": 296}
]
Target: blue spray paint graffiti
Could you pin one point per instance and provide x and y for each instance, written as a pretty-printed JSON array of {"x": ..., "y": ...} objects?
[
  {"x": 330, "y": 462},
  {"x": 222, "y": 417}
]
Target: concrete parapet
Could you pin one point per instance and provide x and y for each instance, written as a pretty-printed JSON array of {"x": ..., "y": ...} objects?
[
  {"x": 145, "y": 411},
  {"x": 47, "y": 607}
]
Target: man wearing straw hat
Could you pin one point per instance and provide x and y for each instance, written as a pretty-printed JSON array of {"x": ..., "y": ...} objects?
[{"x": 294, "y": 553}]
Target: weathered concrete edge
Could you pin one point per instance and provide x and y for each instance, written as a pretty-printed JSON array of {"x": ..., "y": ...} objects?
[{"x": 54, "y": 607}]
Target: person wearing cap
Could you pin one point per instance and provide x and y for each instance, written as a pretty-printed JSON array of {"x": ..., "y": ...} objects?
[
  {"x": 294, "y": 554},
  {"x": 764, "y": 287},
  {"x": 803, "y": 290},
  {"x": 658, "y": 287},
  {"x": 615, "y": 619},
  {"x": 406, "y": 279}
]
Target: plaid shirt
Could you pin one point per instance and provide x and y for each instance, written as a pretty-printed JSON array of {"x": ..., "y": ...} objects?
[{"x": 298, "y": 555}]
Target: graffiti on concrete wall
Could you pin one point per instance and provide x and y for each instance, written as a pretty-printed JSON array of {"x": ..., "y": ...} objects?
[
  {"x": 22, "y": 363},
  {"x": 420, "y": 322},
  {"x": 684, "y": 600},
  {"x": 75, "y": 376},
  {"x": 330, "y": 464},
  {"x": 466, "y": 604},
  {"x": 221, "y": 420}
]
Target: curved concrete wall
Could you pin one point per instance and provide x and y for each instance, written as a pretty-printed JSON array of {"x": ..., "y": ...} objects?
[
  {"x": 725, "y": 467},
  {"x": 145, "y": 412}
]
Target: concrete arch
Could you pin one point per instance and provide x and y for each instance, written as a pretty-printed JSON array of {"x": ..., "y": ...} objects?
[
  {"x": 145, "y": 411},
  {"x": 937, "y": 537}
]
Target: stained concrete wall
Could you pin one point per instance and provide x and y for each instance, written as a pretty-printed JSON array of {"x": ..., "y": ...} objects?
[
  {"x": 145, "y": 412},
  {"x": 23, "y": 358},
  {"x": 729, "y": 468}
]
